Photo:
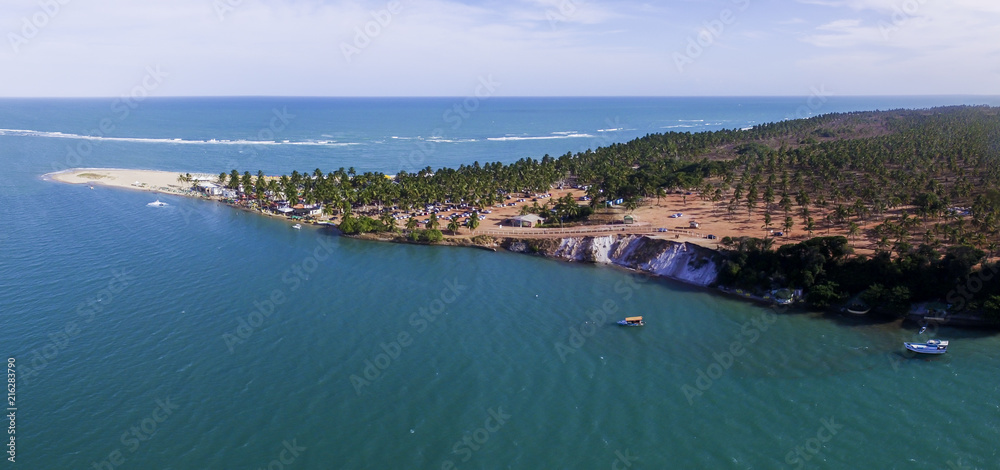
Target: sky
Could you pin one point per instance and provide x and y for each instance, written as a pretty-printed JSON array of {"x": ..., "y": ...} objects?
[{"x": 109, "y": 48}]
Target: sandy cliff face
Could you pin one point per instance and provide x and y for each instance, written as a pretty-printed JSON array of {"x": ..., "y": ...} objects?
[{"x": 682, "y": 261}]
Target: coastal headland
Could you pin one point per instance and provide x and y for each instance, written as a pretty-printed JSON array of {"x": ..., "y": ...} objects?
[
  {"x": 869, "y": 211},
  {"x": 680, "y": 254}
]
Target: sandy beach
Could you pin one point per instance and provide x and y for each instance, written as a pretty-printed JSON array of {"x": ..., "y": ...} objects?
[{"x": 141, "y": 180}]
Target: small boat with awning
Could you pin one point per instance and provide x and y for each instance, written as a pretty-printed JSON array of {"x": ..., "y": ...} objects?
[
  {"x": 933, "y": 346},
  {"x": 632, "y": 321}
]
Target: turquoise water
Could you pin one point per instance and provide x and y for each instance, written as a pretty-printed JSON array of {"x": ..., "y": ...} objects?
[{"x": 149, "y": 332}]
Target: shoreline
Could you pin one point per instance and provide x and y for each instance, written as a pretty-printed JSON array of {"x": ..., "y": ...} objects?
[
  {"x": 539, "y": 244},
  {"x": 158, "y": 181}
]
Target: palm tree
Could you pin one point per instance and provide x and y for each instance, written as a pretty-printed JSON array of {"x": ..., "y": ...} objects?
[
  {"x": 388, "y": 221},
  {"x": 788, "y": 224},
  {"x": 328, "y": 209},
  {"x": 432, "y": 222},
  {"x": 453, "y": 226},
  {"x": 632, "y": 202},
  {"x": 767, "y": 244},
  {"x": 234, "y": 180},
  {"x": 853, "y": 231},
  {"x": 474, "y": 221},
  {"x": 412, "y": 224}
]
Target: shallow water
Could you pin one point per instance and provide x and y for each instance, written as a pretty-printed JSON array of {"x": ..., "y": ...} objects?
[{"x": 486, "y": 360}]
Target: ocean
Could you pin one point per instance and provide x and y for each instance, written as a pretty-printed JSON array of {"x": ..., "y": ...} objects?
[{"x": 197, "y": 336}]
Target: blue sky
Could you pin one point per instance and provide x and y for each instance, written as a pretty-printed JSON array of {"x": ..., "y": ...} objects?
[{"x": 524, "y": 47}]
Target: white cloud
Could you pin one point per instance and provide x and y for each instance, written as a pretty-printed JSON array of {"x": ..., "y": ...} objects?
[{"x": 441, "y": 47}]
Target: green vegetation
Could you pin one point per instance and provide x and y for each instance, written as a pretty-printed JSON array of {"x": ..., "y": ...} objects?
[
  {"x": 351, "y": 225},
  {"x": 426, "y": 236},
  {"x": 825, "y": 268},
  {"x": 916, "y": 188}
]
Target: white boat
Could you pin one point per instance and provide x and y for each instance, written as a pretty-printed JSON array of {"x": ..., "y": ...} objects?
[
  {"x": 157, "y": 203},
  {"x": 297, "y": 226},
  {"x": 933, "y": 346},
  {"x": 858, "y": 309}
]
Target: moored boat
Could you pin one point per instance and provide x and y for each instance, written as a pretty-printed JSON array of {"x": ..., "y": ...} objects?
[
  {"x": 858, "y": 309},
  {"x": 297, "y": 226},
  {"x": 632, "y": 321},
  {"x": 156, "y": 203},
  {"x": 933, "y": 346}
]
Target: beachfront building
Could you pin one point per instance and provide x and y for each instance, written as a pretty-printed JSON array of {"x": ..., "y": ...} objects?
[
  {"x": 630, "y": 219},
  {"x": 529, "y": 220},
  {"x": 209, "y": 188},
  {"x": 304, "y": 210}
]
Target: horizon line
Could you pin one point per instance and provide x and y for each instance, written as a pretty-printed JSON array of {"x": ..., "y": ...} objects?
[{"x": 834, "y": 95}]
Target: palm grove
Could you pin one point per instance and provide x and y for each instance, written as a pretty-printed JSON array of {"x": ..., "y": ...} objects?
[{"x": 918, "y": 188}]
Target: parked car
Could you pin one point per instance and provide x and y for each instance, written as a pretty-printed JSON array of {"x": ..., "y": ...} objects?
[{"x": 711, "y": 237}]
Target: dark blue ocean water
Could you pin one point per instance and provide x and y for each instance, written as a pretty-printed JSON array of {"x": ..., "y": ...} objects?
[{"x": 195, "y": 336}]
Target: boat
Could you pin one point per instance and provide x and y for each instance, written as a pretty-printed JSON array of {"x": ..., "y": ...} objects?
[
  {"x": 297, "y": 226},
  {"x": 157, "y": 203},
  {"x": 858, "y": 309},
  {"x": 632, "y": 321},
  {"x": 933, "y": 346}
]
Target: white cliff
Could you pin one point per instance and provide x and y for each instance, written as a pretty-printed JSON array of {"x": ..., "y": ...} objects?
[{"x": 681, "y": 261}]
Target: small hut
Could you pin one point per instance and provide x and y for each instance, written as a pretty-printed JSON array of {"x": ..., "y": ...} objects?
[{"x": 529, "y": 220}]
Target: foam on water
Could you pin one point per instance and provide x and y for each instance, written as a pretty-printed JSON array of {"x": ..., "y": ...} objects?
[{"x": 477, "y": 339}]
